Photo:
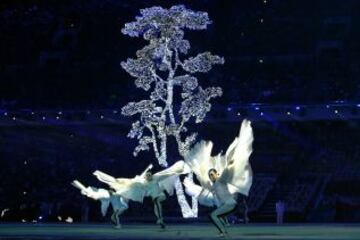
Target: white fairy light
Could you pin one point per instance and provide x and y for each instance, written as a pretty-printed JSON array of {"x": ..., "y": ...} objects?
[{"x": 158, "y": 118}]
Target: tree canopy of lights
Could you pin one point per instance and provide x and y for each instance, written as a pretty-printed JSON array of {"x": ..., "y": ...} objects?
[{"x": 163, "y": 68}]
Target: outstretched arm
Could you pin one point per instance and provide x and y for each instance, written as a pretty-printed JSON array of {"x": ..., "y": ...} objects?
[
  {"x": 180, "y": 167},
  {"x": 146, "y": 170}
]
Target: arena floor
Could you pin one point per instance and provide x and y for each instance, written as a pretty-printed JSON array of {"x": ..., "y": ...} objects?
[{"x": 180, "y": 231}]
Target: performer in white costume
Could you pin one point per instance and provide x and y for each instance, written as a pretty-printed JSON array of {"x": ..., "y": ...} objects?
[
  {"x": 222, "y": 177},
  {"x": 146, "y": 185},
  {"x": 106, "y": 197}
]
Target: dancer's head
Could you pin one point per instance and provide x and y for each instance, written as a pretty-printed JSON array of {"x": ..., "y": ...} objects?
[
  {"x": 148, "y": 176},
  {"x": 213, "y": 174}
]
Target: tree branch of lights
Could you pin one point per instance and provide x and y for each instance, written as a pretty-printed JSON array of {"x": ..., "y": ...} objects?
[{"x": 160, "y": 68}]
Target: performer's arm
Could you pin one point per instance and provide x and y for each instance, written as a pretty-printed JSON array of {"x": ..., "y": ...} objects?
[{"x": 146, "y": 170}]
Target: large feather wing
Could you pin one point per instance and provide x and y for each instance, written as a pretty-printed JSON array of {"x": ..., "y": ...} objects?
[
  {"x": 167, "y": 177},
  {"x": 129, "y": 188},
  {"x": 200, "y": 161},
  {"x": 91, "y": 192},
  {"x": 238, "y": 173}
]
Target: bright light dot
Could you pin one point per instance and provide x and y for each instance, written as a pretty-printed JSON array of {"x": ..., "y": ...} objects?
[
  {"x": 336, "y": 111},
  {"x": 257, "y": 108},
  {"x": 327, "y": 106},
  {"x": 14, "y": 118},
  {"x": 23, "y": 220},
  {"x": 261, "y": 20},
  {"x": 261, "y": 114},
  {"x": 69, "y": 220},
  {"x": 288, "y": 113},
  {"x": 60, "y": 113},
  {"x": 5, "y": 113},
  {"x": 32, "y": 113},
  {"x": 59, "y": 218},
  {"x": 238, "y": 114},
  {"x": 297, "y": 108},
  {"x": 102, "y": 117},
  {"x": 40, "y": 217},
  {"x": 57, "y": 117},
  {"x": 358, "y": 105},
  {"x": 115, "y": 111},
  {"x": 25, "y": 162},
  {"x": 265, "y": 1},
  {"x": 24, "y": 193},
  {"x": 43, "y": 118},
  {"x": 229, "y": 109},
  {"x": 261, "y": 60}
]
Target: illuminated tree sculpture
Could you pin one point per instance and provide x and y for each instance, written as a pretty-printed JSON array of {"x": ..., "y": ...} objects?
[{"x": 159, "y": 69}]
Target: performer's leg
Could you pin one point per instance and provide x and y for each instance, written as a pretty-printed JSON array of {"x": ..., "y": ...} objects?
[
  {"x": 246, "y": 211},
  {"x": 221, "y": 212},
  {"x": 224, "y": 220},
  {"x": 113, "y": 219},
  {"x": 158, "y": 210},
  {"x": 116, "y": 218}
]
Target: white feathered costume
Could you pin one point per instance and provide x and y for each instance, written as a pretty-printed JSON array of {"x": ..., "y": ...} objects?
[
  {"x": 137, "y": 188},
  {"x": 117, "y": 202},
  {"x": 234, "y": 167}
]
